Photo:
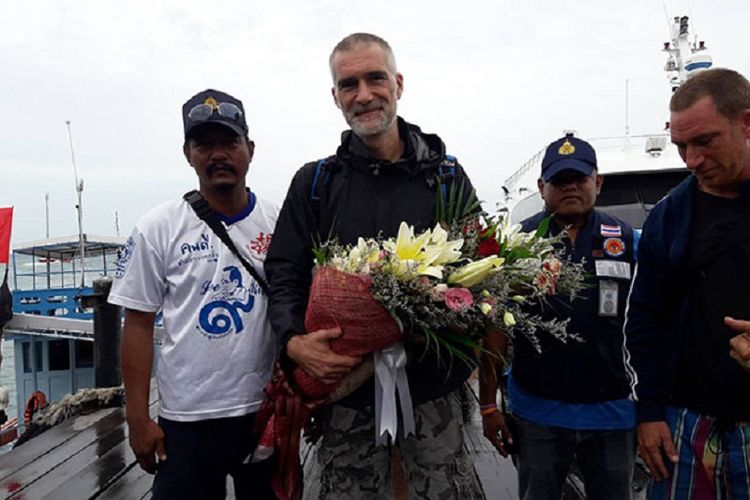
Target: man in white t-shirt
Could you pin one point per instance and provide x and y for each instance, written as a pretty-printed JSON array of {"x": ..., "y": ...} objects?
[{"x": 218, "y": 350}]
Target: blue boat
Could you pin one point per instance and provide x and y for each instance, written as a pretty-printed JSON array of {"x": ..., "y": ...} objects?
[{"x": 52, "y": 333}]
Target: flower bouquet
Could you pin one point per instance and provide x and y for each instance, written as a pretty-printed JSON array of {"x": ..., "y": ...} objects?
[{"x": 442, "y": 288}]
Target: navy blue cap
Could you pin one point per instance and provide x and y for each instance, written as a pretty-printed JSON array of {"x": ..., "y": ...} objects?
[
  {"x": 223, "y": 115},
  {"x": 568, "y": 153}
]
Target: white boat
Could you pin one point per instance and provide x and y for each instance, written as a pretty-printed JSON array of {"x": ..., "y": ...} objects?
[{"x": 638, "y": 169}]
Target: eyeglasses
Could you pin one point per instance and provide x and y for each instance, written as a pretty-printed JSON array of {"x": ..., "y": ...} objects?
[
  {"x": 202, "y": 112},
  {"x": 559, "y": 181}
]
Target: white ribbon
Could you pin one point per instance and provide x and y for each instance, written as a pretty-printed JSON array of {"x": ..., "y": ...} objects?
[{"x": 390, "y": 375}]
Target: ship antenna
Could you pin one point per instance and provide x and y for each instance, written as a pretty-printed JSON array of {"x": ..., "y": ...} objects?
[
  {"x": 79, "y": 206},
  {"x": 627, "y": 115},
  {"x": 46, "y": 214}
]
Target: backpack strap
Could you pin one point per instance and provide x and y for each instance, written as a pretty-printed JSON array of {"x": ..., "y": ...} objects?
[
  {"x": 321, "y": 178},
  {"x": 446, "y": 174},
  {"x": 314, "y": 195},
  {"x": 207, "y": 215}
]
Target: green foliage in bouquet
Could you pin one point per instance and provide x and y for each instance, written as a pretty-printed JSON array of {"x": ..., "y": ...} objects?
[{"x": 456, "y": 206}]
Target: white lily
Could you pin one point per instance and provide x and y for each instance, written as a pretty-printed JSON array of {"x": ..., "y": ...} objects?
[
  {"x": 475, "y": 272},
  {"x": 424, "y": 254},
  {"x": 513, "y": 237}
]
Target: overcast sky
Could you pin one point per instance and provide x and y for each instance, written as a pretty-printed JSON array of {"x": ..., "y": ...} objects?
[{"x": 497, "y": 80}]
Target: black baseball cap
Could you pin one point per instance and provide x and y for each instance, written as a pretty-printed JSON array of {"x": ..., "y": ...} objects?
[
  {"x": 568, "y": 153},
  {"x": 214, "y": 106}
]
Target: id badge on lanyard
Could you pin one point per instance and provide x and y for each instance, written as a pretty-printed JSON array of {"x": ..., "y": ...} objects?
[{"x": 608, "y": 298}]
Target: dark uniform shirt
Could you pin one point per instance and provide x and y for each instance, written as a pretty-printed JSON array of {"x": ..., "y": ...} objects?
[{"x": 591, "y": 371}]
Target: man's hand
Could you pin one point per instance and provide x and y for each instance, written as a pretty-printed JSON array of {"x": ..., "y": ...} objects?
[
  {"x": 312, "y": 352},
  {"x": 147, "y": 442},
  {"x": 654, "y": 440},
  {"x": 496, "y": 430},
  {"x": 740, "y": 344}
]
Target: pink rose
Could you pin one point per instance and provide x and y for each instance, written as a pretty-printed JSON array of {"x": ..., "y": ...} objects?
[
  {"x": 458, "y": 299},
  {"x": 546, "y": 278}
]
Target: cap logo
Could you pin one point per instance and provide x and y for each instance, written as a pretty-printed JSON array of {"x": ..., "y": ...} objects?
[
  {"x": 211, "y": 102},
  {"x": 567, "y": 148}
]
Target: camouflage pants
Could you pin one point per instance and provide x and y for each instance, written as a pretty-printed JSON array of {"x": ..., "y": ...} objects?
[{"x": 435, "y": 463}]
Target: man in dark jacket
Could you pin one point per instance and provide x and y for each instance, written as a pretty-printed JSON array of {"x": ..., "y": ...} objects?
[
  {"x": 569, "y": 400},
  {"x": 693, "y": 274},
  {"x": 385, "y": 171}
]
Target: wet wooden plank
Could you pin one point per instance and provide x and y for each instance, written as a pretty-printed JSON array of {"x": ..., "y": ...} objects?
[
  {"x": 46, "y": 443},
  {"x": 90, "y": 469},
  {"x": 68, "y": 469},
  {"x": 35, "y": 460},
  {"x": 92, "y": 479},
  {"x": 33, "y": 471},
  {"x": 133, "y": 484},
  {"x": 52, "y": 439}
]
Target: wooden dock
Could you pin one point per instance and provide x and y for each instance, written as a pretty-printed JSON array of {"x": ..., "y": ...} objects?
[
  {"x": 88, "y": 457},
  {"x": 81, "y": 458}
]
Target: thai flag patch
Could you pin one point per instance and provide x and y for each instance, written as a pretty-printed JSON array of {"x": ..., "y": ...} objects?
[{"x": 611, "y": 231}]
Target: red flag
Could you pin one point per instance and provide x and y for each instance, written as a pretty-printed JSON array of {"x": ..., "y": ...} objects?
[{"x": 6, "y": 222}]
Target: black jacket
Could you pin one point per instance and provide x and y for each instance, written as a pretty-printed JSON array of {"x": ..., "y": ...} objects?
[
  {"x": 358, "y": 196},
  {"x": 581, "y": 372},
  {"x": 661, "y": 310}
]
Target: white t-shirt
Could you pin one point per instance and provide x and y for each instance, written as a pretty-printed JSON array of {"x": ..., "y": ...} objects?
[{"x": 218, "y": 350}]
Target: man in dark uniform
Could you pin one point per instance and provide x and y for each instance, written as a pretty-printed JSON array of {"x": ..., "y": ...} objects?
[{"x": 569, "y": 400}]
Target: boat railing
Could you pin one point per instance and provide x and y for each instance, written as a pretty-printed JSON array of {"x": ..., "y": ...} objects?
[{"x": 61, "y": 302}]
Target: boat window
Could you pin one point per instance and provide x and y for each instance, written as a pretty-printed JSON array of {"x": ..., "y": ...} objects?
[
  {"x": 59, "y": 354},
  {"x": 84, "y": 354},
  {"x": 631, "y": 196},
  {"x": 26, "y": 348}
]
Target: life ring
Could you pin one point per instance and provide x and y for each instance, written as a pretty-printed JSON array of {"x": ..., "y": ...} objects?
[{"x": 36, "y": 402}]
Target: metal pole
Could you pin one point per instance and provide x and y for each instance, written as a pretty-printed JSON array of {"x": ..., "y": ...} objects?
[
  {"x": 34, "y": 367},
  {"x": 627, "y": 108},
  {"x": 46, "y": 215},
  {"x": 79, "y": 207},
  {"x": 46, "y": 233}
]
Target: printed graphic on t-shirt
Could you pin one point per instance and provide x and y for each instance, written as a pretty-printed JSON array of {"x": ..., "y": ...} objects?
[
  {"x": 200, "y": 250},
  {"x": 229, "y": 299},
  {"x": 122, "y": 263},
  {"x": 260, "y": 244}
]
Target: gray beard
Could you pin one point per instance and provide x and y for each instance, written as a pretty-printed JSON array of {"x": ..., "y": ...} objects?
[{"x": 379, "y": 129}]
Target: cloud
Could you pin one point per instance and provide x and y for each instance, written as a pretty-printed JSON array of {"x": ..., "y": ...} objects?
[{"x": 497, "y": 80}]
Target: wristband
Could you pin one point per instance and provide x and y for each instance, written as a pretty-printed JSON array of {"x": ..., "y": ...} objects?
[
  {"x": 488, "y": 405},
  {"x": 489, "y": 411}
]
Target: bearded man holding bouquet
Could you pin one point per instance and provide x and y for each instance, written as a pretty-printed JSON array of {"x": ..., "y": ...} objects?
[{"x": 386, "y": 171}]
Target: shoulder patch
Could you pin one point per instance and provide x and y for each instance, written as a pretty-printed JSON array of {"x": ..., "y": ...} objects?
[{"x": 614, "y": 247}]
